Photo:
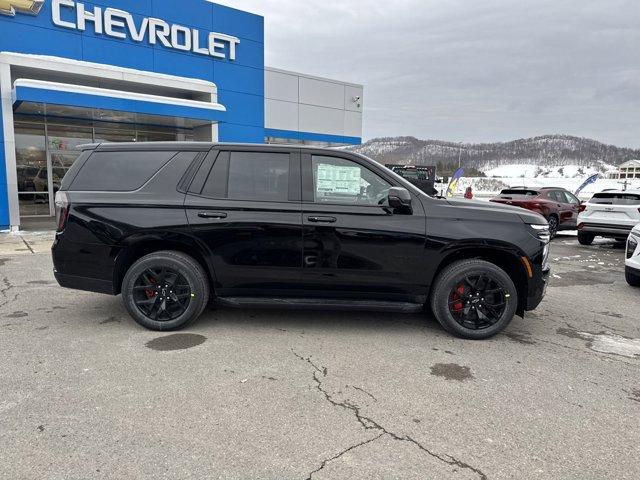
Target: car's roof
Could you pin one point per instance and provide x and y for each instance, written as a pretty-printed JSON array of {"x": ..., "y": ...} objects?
[
  {"x": 620, "y": 192},
  {"x": 187, "y": 146}
]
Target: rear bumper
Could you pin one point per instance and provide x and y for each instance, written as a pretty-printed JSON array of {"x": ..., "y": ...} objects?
[
  {"x": 606, "y": 230},
  {"x": 83, "y": 283},
  {"x": 537, "y": 289}
]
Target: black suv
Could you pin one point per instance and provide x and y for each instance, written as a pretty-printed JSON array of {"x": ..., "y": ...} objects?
[{"x": 174, "y": 227}]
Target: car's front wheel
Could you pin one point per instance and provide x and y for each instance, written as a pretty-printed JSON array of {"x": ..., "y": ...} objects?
[
  {"x": 165, "y": 290},
  {"x": 474, "y": 299}
]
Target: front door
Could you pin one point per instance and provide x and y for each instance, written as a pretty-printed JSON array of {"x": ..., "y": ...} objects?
[
  {"x": 355, "y": 246},
  {"x": 244, "y": 208}
]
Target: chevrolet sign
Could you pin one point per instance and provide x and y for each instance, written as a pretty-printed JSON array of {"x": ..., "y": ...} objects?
[
  {"x": 10, "y": 7},
  {"x": 117, "y": 23}
]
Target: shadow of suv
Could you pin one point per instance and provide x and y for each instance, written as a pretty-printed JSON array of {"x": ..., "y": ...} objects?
[{"x": 173, "y": 226}]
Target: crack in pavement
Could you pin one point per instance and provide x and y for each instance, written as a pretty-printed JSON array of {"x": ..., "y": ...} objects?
[
  {"x": 335, "y": 457},
  {"x": 4, "y": 291},
  {"x": 370, "y": 424}
]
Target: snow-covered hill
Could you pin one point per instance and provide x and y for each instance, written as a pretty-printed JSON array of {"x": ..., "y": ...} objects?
[{"x": 548, "y": 152}]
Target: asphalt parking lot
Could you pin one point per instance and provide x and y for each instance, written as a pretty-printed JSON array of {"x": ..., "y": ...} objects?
[{"x": 86, "y": 393}]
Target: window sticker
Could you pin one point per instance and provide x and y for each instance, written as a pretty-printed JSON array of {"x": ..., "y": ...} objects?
[{"x": 337, "y": 180}]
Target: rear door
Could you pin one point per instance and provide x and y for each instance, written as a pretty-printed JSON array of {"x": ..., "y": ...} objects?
[
  {"x": 244, "y": 206},
  {"x": 355, "y": 246}
]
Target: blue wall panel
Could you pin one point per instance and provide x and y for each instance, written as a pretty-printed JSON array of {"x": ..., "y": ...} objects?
[
  {"x": 192, "y": 66},
  {"x": 17, "y": 37},
  {"x": 238, "y": 78},
  {"x": 232, "y": 132},
  {"x": 248, "y": 109},
  {"x": 112, "y": 52}
]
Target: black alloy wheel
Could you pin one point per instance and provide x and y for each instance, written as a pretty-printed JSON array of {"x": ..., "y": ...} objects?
[
  {"x": 474, "y": 299},
  {"x": 478, "y": 301},
  {"x": 161, "y": 294},
  {"x": 165, "y": 290}
]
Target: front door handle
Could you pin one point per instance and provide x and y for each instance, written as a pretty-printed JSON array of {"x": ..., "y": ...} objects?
[
  {"x": 322, "y": 219},
  {"x": 212, "y": 215}
]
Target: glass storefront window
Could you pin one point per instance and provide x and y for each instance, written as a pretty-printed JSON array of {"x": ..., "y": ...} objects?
[{"x": 46, "y": 147}]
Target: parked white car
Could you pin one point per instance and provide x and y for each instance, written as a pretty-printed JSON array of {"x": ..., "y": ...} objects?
[
  {"x": 632, "y": 263},
  {"x": 610, "y": 214}
]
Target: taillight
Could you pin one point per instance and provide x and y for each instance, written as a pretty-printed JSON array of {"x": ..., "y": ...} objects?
[
  {"x": 583, "y": 207},
  {"x": 62, "y": 210}
]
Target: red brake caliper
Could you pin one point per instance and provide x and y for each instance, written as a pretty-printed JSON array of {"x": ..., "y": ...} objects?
[
  {"x": 151, "y": 293},
  {"x": 457, "y": 307}
]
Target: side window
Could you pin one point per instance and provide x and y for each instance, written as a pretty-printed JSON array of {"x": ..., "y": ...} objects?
[
  {"x": 556, "y": 196},
  {"x": 570, "y": 198},
  {"x": 343, "y": 182},
  {"x": 260, "y": 176},
  {"x": 119, "y": 171}
]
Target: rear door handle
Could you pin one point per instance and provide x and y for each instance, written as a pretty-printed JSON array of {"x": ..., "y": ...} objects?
[
  {"x": 212, "y": 215},
  {"x": 322, "y": 219}
]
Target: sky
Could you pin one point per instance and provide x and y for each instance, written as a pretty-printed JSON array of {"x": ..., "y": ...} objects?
[{"x": 472, "y": 70}]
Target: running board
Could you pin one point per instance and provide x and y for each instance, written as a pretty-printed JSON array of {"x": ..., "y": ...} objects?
[{"x": 319, "y": 304}]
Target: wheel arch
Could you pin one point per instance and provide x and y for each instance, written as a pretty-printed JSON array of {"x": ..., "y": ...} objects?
[
  {"x": 137, "y": 247},
  {"x": 508, "y": 260}
]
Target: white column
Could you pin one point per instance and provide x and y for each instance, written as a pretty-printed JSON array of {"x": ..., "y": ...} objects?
[{"x": 9, "y": 144}]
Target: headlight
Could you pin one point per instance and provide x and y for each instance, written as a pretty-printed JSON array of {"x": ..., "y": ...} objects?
[
  {"x": 542, "y": 232},
  {"x": 632, "y": 245}
]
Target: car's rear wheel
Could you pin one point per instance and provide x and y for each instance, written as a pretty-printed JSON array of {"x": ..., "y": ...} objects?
[
  {"x": 585, "y": 238},
  {"x": 165, "y": 290},
  {"x": 632, "y": 278},
  {"x": 553, "y": 225},
  {"x": 474, "y": 299}
]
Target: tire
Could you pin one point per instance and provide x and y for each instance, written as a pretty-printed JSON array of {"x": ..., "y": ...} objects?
[
  {"x": 180, "y": 309},
  {"x": 448, "y": 284},
  {"x": 632, "y": 278},
  {"x": 585, "y": 238},
  {"x": 553, "y": 225}
]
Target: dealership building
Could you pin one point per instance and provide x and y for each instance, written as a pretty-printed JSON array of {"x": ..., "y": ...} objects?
[{"x": 76, "y": 72}]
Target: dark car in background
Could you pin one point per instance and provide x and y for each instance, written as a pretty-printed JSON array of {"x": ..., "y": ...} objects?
[
  {"x": 559, "y": 206},
  {"x": 174, "y": 226},
  {"x": 423, "y": 177}
]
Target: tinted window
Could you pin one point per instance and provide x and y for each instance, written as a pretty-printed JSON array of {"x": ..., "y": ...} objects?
[
  {"x": 569, "y": 198},
  {"x": 341, "y": 181},
  {"x": 119, "y": 171},
  {"x": 513, "y": 191},
  {"x": 616, "y": 199},
  {"x": 260, "y": 176}
]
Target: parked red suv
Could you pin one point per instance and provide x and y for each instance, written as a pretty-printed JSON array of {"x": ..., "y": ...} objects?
[{"x": 559, "y": 206}]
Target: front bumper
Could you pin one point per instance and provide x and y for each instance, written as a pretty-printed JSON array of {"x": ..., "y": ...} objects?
[{"x": 537, "y": 288}]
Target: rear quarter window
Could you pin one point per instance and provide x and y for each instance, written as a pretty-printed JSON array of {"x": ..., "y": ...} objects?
[
  {"x": 616, "y": 199},
  {"x": 119, "y": 171}
]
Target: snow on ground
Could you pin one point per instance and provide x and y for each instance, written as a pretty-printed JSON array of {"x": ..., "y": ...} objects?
[{"x": 534, "y": 171}]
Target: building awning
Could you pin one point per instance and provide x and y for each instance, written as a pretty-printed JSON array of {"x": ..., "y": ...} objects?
[{"x": 30, "y": 95}]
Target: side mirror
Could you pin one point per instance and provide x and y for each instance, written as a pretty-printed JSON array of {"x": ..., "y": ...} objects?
[{"x": 400, "y": 198}]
